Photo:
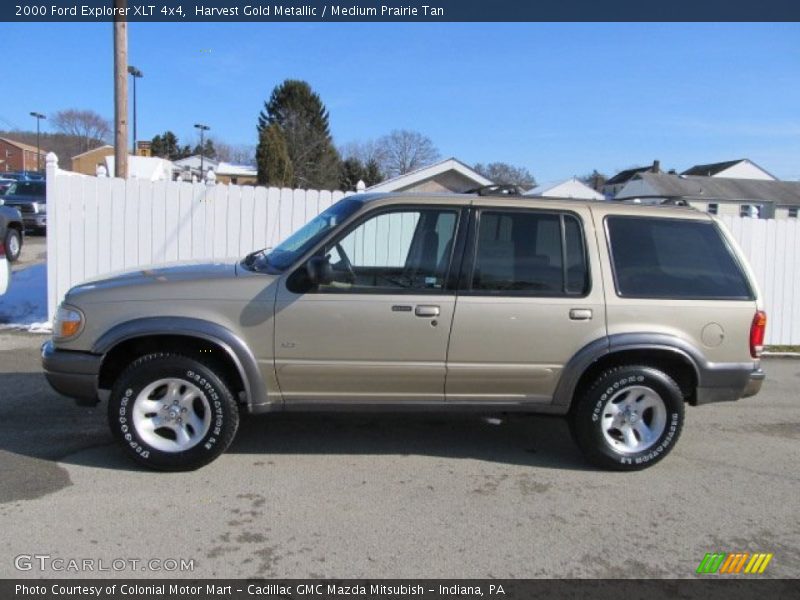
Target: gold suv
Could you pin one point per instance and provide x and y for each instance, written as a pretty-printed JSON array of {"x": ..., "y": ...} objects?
[{"x": 615, "y": 316}]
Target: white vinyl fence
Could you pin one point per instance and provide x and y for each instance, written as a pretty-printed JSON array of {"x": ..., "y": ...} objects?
[
  {"x": 100, "y": 225},
  {"x": 772, "y": 247}
]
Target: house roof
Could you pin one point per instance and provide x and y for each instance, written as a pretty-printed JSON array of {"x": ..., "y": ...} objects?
[
  {"x": 194, "y": 161},
  {"x": 627, "y": 175},
  {"x": 782, "y": 193},
  {"x": 712, "y": 168},
  {"x": 22, "y": 146},
  {"x": 566, "y": 188},
  {"x": 418, "y": 175},
  {"x": 229, "y": 169},
  {"x": 103, "y": 147}
]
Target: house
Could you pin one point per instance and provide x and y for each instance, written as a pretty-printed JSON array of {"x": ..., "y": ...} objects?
[
  {"x": 236, "y": 174},
  {"x": 87, "y": 162},
  {"x": 449, "y": 175},
  {"x": 189, "y": 168},
  {"x": 612, "y": 186},
  {"x": 717, "y": 195},
  {"x": 742, "y": 168},
  {"x": 148, "y": 168},
  {"x": 569, "y": 188},
  {"x": 16, "y": 156}
]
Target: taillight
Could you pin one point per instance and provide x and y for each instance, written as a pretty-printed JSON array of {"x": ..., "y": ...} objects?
[
  {"x": 757, "y": 330},
  {"x": 2, "y": 250}
]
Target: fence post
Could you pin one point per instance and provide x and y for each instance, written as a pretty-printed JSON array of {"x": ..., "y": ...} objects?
[{"x": 51, "y": 179}]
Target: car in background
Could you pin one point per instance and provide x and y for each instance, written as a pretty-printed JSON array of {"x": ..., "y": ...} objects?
[
  {"x": 30, "y": 198},
  {"x": 11, "y": 232},
  {"x": 5, "y": 183}
]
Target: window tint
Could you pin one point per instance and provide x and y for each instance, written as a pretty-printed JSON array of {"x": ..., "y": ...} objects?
[
  {"x": 668, "y": 258},
  {"x": 529, "y": 252},
  {"x": 400, "y": 250}
]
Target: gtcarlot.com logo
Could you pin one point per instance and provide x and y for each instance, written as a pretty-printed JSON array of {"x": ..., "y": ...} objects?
[
  {"x": 46, "y": 562},
  {"x": 734, "y": 563}
]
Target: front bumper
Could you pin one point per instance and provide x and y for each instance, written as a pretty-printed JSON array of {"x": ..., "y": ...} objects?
[
  {"x": 74, "y": 374},
  {"x": 33, "y": 222}
]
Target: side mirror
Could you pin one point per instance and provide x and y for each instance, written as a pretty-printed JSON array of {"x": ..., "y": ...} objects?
[{"x": 319, "y": 270}]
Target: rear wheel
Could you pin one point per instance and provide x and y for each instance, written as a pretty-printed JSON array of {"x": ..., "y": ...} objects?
[
  {"x": 172, "y": 412},
  {"x": 629, "y": 419},
  {"x": 13, "y": 244}
]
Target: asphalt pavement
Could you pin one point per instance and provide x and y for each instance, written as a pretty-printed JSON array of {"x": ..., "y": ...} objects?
[{"x": 392, "y": 496}]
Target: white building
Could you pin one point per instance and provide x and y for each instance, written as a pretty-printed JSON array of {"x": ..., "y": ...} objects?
[
  {"x": 449, "y": 175},
  {"x": 742, "y": 168},
  {"x": 569, "y": 188}
]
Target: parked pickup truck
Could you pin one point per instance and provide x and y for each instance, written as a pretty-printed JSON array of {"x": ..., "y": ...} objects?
[{"x": 614, "y": 316}]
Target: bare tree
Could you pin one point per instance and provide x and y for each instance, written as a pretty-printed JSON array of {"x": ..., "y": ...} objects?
[
  {"x": 365, "y": 152},
  {"x": 88, "y": 126},
  {"x": 504, "y": 173},
  {"x": 240, "y": 154},
  {"x": 402, "y": 151}
]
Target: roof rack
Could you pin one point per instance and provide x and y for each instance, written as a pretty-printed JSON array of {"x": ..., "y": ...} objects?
[{"x": 498, "y": 189}]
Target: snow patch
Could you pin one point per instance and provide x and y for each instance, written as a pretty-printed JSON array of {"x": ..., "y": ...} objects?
[{"x": 24, "y": 305}]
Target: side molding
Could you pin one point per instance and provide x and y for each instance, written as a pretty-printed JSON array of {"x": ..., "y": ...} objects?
[{"x": 234, "y": 346}]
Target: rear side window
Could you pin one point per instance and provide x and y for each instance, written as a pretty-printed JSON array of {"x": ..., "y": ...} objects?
[
  {"x": 530, "y": 253},
  {"x": 670, "y": 258}
]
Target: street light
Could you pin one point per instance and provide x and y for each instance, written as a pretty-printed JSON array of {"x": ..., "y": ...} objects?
[
  {"x": 203, "y": 129},
  {"x": 38, "y": 117},
  {"x": 136, "y": 74}
]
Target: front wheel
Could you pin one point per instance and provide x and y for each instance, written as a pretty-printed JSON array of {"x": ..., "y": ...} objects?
[
  {"x": 171, "y": 412},
  {"x": 629, "y": 419},
  {"x": 13, "y": 244}
]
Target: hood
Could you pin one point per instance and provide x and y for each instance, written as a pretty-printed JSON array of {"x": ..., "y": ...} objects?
[{"x": 171, "y": 282}]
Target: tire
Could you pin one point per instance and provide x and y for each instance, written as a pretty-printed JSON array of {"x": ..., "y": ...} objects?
[
  {"x": 172, "y": 413},
  {"x": 613, "y": 430},
  {"x": 13, "y": 244}
]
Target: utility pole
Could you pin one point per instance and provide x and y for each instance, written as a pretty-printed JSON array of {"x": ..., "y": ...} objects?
[
  {"x": 120, "y": 92},
  {"x": 38, "y": 117},
  {"x": 136, "y": 74},
  {"x": 203, "y": 129}
]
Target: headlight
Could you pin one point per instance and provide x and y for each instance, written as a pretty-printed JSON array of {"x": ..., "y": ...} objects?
[{"x": 68, "y": 323}]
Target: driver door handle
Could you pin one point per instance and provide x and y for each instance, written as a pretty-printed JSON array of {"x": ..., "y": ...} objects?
[{"x": 426, "y": 310}]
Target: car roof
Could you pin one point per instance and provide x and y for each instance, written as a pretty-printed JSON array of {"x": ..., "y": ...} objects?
[{"x": 602, "y": 208}]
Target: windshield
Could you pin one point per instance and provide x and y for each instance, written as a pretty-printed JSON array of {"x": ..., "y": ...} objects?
[
  {"x": 302, "y": 240},
  {"x": 26, "y": 188}
]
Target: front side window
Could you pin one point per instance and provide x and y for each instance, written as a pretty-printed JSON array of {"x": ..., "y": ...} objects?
[
  {"x": 529, "y": 253},
  {"x": 396, "y": 251},
  {"x": 671, "y": 258}
]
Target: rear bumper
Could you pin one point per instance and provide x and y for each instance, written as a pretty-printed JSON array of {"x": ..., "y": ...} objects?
[
  {"x": 729, "y": 385},
  {"x": 754, "y": 383},
  {"x": 71, "y": 373}
]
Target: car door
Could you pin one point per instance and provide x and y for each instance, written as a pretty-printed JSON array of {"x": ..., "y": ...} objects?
[
  {"x": 527, "y": 304},
  {"x": 378, "y": 331}
]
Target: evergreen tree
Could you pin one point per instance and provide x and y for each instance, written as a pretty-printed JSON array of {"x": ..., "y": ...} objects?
[
  {"x": 351, "y": 172},
  {"x": 272, "y": 158},
  {"x": 167, "y": 146},
  {"x": 372, "y": 173},
  {"x": 208, "y": 149},
  {"x": 303, "y": 122}
]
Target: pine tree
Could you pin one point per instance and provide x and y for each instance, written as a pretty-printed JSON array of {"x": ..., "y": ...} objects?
[
  {"x": 272, "y": 158},
  {"x": 304, "y": 124}
]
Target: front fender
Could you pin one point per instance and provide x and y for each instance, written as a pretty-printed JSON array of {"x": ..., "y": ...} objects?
[{"x": 236, "y": 349}]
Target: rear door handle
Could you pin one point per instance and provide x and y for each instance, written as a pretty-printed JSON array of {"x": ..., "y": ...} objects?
[
  {"x": 580, "y": 314},
  {"x": 426, "y": 310}
]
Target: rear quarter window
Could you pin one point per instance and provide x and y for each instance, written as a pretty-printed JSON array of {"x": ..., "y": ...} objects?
[{"x": 674, "y": 259}]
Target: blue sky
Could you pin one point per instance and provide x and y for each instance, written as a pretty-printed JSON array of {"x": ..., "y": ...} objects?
[{"x": 559, "y": 99}]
